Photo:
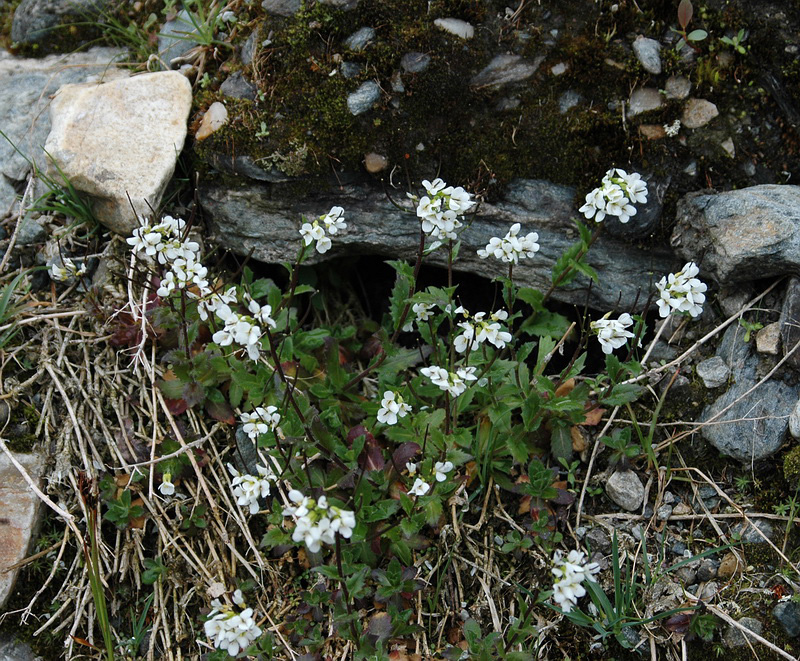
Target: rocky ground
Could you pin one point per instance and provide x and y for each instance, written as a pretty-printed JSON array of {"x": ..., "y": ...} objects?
[{"x": 283, "y": 108}]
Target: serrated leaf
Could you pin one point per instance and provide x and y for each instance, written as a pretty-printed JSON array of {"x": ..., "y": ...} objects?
[
  {"x": 622, "y": 394},
  {"x": 561, "y": 442}
]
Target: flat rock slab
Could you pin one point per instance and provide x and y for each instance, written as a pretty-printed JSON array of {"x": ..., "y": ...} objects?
[
  {"x": 741, "y": 235},
  {"x": 253, "y": 217},
  {"x": 27, "y": 86},
  {"x": 19, "y": 511},
  {"x": 118, "y": 142}
]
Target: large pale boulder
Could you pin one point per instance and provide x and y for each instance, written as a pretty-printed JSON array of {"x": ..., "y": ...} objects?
[
  {"x": 19, "y": 512},
  {"x": 118, "y": 142}
]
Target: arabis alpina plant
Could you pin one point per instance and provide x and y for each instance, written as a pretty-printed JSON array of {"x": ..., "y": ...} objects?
[
  {"x": 66, "y": 270},
  {"x": 317, "y": 522},
  {"x": 570, "y": 574},
  {"x": 247, "y": 489},
  {"x": 681, "y": 292},
  {"x": 242, "y": 329},
  {"x": 478, "y": 329},
  {"x": 616, "y": 196},
  {"x": 162, "y": 240},
  {"x": 441, "y": 209},
  {"x": 320, "y": 230},
  {"x": 453, "y": 382},
  {"x": 392, "y": 408},
  {"x": 230, "y": 630},
  {"x": 422, "y": 312},
  {"x": 512, "y": 247},
  {"x": 260, "y": 421},
  {"x": 613, "y": 333}
]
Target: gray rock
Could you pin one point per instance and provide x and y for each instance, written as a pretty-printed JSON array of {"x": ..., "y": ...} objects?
[
  {"x": 559, "y": 69},
  {"x": 754, "y": 426},
  {"x": 626, "y": 489},
  {"x": 568, "y": 100},
  {"x": 648, "y": 51},
  {"x": 250, "y": 47},
  {"x": 397, "y": 83},
  {"x": 505, "y": 70},
  {"x": 31, "y": 231},
  {"x": 360, "y": 39},
  {"x": 38, "y": 20},
  {"x": 698, "y": 112},
  {"x": 415, "y": 62},
  {"x": 664, "y": 512},
  {"x": 644, "y": 99},
  {"x": 754, "y": 532},
  {"x": 176, "y": 38},
  {"x": 364, "y": 97},
  {"x": 790, "y": 321},
  {"x": 598, "y": 540},
  {"x": 15, "y": 650},
  {"x": 710, "y": 589},
  {"x": 794, "y": 421},
  {"x": 259, "y": 218},
  {"x": 707, "y": 571},
  {"x": 508, "y": 103},
  {"x": 745, "y": 234},
  {"x": 734, "y": 637},
  {"x": 788, "y": 615},
  {"x": 687, "y": 574},
  {"x": 238, "y": 87},
  {"x": 28, "y": 85},
  {"x": 714, "y": 372},
  {"x": 733, "y": 299},
  {"x": 283, "y": 8},
  {"x": 677, "y": 88},
  {"x": 351, "y": 69}
]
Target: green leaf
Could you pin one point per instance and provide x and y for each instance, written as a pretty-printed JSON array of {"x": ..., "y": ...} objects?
[
  {"x": 697, "y": 35},
  {"x": 622, "y": 394},
  {"x": 172, "y": 389},
  {"x": 546, "y": 324},
  {"x": 561, "y": 442}
]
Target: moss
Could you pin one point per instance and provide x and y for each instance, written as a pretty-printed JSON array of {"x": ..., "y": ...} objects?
[{"x": 791, "y": 466}]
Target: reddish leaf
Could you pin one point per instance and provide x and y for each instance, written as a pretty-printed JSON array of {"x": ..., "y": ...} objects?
[
  {"x": 565, "y": 388},
  {"x": 221, "y": 411},
  {"x": 355, "y": 432},
  {"x": 176, "y": 406},
  {"x": 83, "y": 641},
  {"x": 193, "y": 394},
  {"x": 403, "y": 454},
  {"x": 371, "y": 348},
  {"x": 593, "y": 417},
  {"x": 678, "y": 623},
  {"x": 380, "y": 626},
  {"x": 685, "y": 11}
]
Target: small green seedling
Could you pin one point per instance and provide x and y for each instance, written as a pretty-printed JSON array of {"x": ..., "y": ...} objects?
[
  {"x": 685, "y": 11},
  {"x": 736, "y": 42}
]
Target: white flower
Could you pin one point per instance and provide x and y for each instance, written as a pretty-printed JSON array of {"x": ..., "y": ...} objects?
[
  {"x": 317, "y": 522},
  {"x": 442, "y": 468},
  {"x": 570, "y": 573},
  {"x": 247, "y": 489},
  {"x": 681, "y": 292},
  {"x": 440, "y": 209},
  {"x": 261, "y": 313},
  {"x": 512, "y": 247},
  {"x": 613, "y": 333},
  {"x": 166, "y": 487},
  {"x": 420, "y": 488},
  {"x": 411, "y": 468},
  {"x": 334, "y": 220},
  {"x": 392, "y": 408},
  {"x": 479, "y": 330},
  {"x": 260, "y": 421},
  {"x": 616, "y": 196},
  {"x": 57, "y": 273},
  {"x": 454, "y": 383},
  {"x": 231, "y": 631}
]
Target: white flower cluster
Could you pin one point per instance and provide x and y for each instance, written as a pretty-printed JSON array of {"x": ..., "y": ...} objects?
[
  {"x": 317, "y": 522},
  {"x": 478, "y": 329},
  {"x": 616, "y": 197},
  {"x": 673, "y": 129},
  {"x": 66, "y": 270},
  {"x": 163, "y": 240},
  {"x": 392, "y": 408},
  {"x": 613, "y": 333},
  {"x": 234, "y": 632},
  {"x": 441, "y": 209},
  {"x": 184, "y": 272},
  {"x": 512, "y": 247},
  {"x": 453, "y": 382},
  {"x": 321, "y": 229},
  {"x": 243, "y": 329},
  {"x": 422, "y": 312},
  {"x": 247, "y": 489},
  {"x": 260, "y": 421},
  {"x": 681, "y": 292},
  {"x": 570, "y": 574}
]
